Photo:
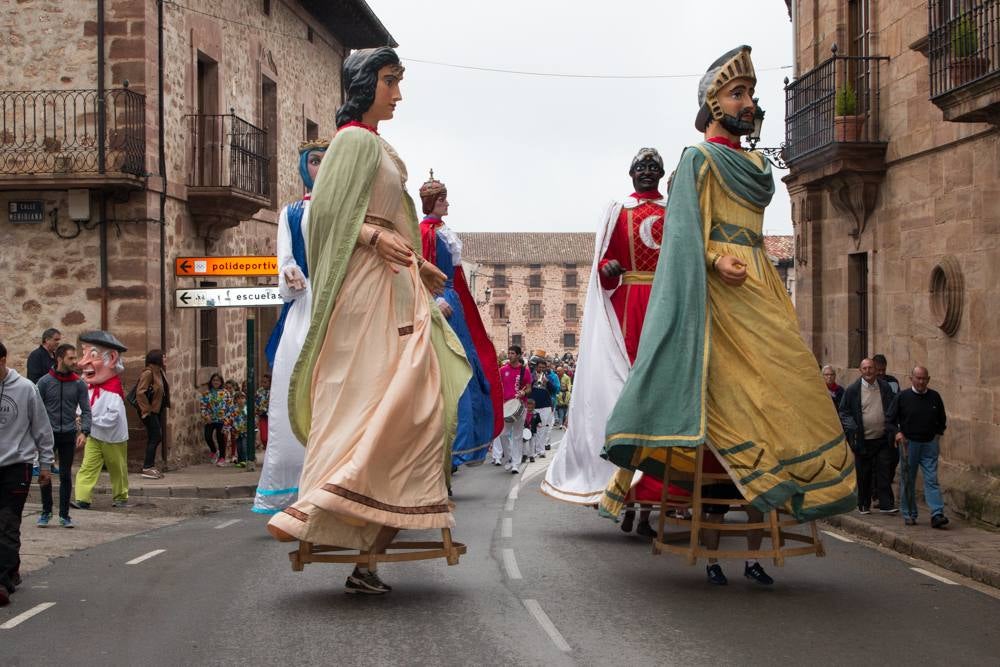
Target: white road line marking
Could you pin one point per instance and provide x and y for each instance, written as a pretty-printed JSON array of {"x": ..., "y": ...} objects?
[
  {"x": 512, "y": 494},
  {"x": 938, "y": 577},
  {"x": 507, "y": 529},
  {"x": 838, "y": 537},
  {"x": 227, "y": 524},
  {"x": 547, "y": 625},
  {"x": 510, "y": 564},
  {"x": 21, "y": 618},
  {"x": 151, "y": 554}
]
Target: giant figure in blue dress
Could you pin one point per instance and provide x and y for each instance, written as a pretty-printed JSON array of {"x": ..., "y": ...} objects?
[{"x": 480, "y": 416}]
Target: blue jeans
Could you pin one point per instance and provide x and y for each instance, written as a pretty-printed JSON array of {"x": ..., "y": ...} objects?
[{"x": 925, "y": 456}]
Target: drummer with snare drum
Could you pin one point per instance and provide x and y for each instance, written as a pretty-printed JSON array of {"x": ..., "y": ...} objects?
[{"x": 516, "y": 380}]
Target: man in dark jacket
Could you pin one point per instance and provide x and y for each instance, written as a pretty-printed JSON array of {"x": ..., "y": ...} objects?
[
  {"x": 914, "y": 421},
  {"x": 43, "y": 358},
  {"x": 862, "y": 413},
  {"x": 64, "y": 393}
]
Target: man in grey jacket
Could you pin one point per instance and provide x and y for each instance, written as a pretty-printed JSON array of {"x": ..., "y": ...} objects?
[
  {"x": 24, "y": 430},
  {"x": 64, "y": 395}
]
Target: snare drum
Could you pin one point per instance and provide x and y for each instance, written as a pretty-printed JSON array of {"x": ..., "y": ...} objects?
[{"x": 512, "y": 409}]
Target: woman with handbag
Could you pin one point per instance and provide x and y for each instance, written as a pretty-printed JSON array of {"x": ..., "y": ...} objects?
[{"x": 152, "y": 397}]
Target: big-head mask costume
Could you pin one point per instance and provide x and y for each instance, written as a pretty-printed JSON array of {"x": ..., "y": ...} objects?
[
  {"x": 734, "y": 64},
  {"x": 101, "y": 360}
]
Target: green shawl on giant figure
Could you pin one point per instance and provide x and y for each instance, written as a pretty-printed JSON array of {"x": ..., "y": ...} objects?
[
  {"x": 766, "y": 413},
  {"x": 340, "y": 198}
]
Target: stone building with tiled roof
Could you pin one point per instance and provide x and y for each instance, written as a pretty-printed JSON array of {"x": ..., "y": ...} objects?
[
  {"x": 781, "y": 250},
  {"x": 531, "y": 286}
]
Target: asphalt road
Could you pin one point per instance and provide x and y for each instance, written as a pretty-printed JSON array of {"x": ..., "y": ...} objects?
[{"x": 553, "y": 585}]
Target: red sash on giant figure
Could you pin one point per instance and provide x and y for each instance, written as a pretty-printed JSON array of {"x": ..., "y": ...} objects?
[{"x": 480, "y": 339}]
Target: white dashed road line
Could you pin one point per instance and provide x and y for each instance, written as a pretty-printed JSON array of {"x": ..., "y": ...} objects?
[
  {"x": 21, "y": 618},
  {"x": 510, "y": 564},
  {"x": 838, "y": 537},
  {"x": 227, "y": 524},
  {"x": 507, "y": 528},
  {"x": 151, "y": 554},
  {"x": 936, "y": 577},
  {"x": 547, "y": 624}
]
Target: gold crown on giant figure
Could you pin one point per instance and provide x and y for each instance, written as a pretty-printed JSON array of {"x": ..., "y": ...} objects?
[{"x": 432, "y": 187}]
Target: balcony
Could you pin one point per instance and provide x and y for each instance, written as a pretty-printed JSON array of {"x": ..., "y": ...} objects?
[
  {"x": 964, "y": 55},
  {"x": 62, "y": 139},
  {"x": 228, "y": 178},
  {"x": 832, "y": 133}
]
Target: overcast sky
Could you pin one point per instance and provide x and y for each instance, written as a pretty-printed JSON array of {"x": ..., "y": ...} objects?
[{"x": 532, "y": 153}]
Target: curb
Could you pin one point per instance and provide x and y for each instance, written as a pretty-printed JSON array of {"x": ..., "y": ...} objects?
[
  {"x": 183, "y": 491},
  {"x": 207, "y": 492},
  {"x": 963, "y": 565}
]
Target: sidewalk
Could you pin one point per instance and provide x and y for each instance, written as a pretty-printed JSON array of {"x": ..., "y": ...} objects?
[
  {"x": 961, "y": 547},
  {"x": 203, "y": 480}
]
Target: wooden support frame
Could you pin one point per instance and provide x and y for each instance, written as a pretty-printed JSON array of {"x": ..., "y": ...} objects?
[
  {"x": 687, "y": 542},
  {"x": 308, "y": 552}
]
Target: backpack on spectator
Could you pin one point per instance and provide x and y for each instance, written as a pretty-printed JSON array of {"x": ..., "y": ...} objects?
[{"x": 130, "y": 397}]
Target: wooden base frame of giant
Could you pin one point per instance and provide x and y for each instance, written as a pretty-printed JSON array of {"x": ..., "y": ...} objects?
[
  {"x": 687, "y": 512},
  {"x": 396, "y": 552}
]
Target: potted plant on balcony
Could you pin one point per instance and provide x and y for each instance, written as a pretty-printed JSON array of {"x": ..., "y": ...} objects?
[
  {"x": 846, "y": 121},
  {"x": 966, "y": 65}
]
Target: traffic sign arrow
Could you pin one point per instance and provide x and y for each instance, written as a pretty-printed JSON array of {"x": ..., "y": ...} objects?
[
  {"x": 224, "y": 297},
  {"x": 236, "y": 265}
]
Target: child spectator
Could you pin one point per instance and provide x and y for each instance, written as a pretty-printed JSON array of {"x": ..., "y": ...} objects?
[
  {"x": 238, "y": 419},
  {"x": 213, "y": 414}
]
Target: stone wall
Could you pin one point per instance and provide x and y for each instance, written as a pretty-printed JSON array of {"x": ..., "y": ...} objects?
[
  {"x": 53, "y": 281},
  {"x": 940, "y": 198}
]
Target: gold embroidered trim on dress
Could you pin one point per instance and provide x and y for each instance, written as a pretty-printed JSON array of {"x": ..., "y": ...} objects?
[
  {"x": 638, "y": 278},
  {"x": 296, "y": 514},
  {"x": 371, "y": 502},
  {"x": 381, "y": 222}
]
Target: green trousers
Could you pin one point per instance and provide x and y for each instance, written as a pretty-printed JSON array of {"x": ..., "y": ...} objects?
[{"x": 98, "y": 454}]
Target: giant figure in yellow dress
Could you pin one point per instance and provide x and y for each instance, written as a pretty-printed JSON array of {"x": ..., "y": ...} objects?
[{"x": 721, "y": 361}]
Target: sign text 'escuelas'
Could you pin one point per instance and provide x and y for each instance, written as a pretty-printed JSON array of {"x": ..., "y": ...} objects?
[{"x": 227, "y": 297}]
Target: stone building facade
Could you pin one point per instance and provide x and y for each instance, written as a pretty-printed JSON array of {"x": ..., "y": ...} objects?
[
  {"x": 242, "y": 82},
  {"x": 894, "y": 152},
  {"x": 537, "y": 285}
]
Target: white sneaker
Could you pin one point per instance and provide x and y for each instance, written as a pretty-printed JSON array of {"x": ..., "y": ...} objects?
[{"x": 507, "y": 466}]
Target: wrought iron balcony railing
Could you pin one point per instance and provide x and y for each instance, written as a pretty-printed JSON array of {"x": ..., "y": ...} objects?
[
  {"x": 227, "y": 152},
  {"x": 45, "y": 132},
  {"x": 963, "y": 47},
  {"x": 837, "y": 102}
]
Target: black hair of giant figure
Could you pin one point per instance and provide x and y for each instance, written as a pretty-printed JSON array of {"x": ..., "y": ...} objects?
[{"x": 361, "y": 79}]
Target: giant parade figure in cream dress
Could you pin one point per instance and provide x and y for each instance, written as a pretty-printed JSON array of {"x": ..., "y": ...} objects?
[{"x": 375, "y": 389}]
